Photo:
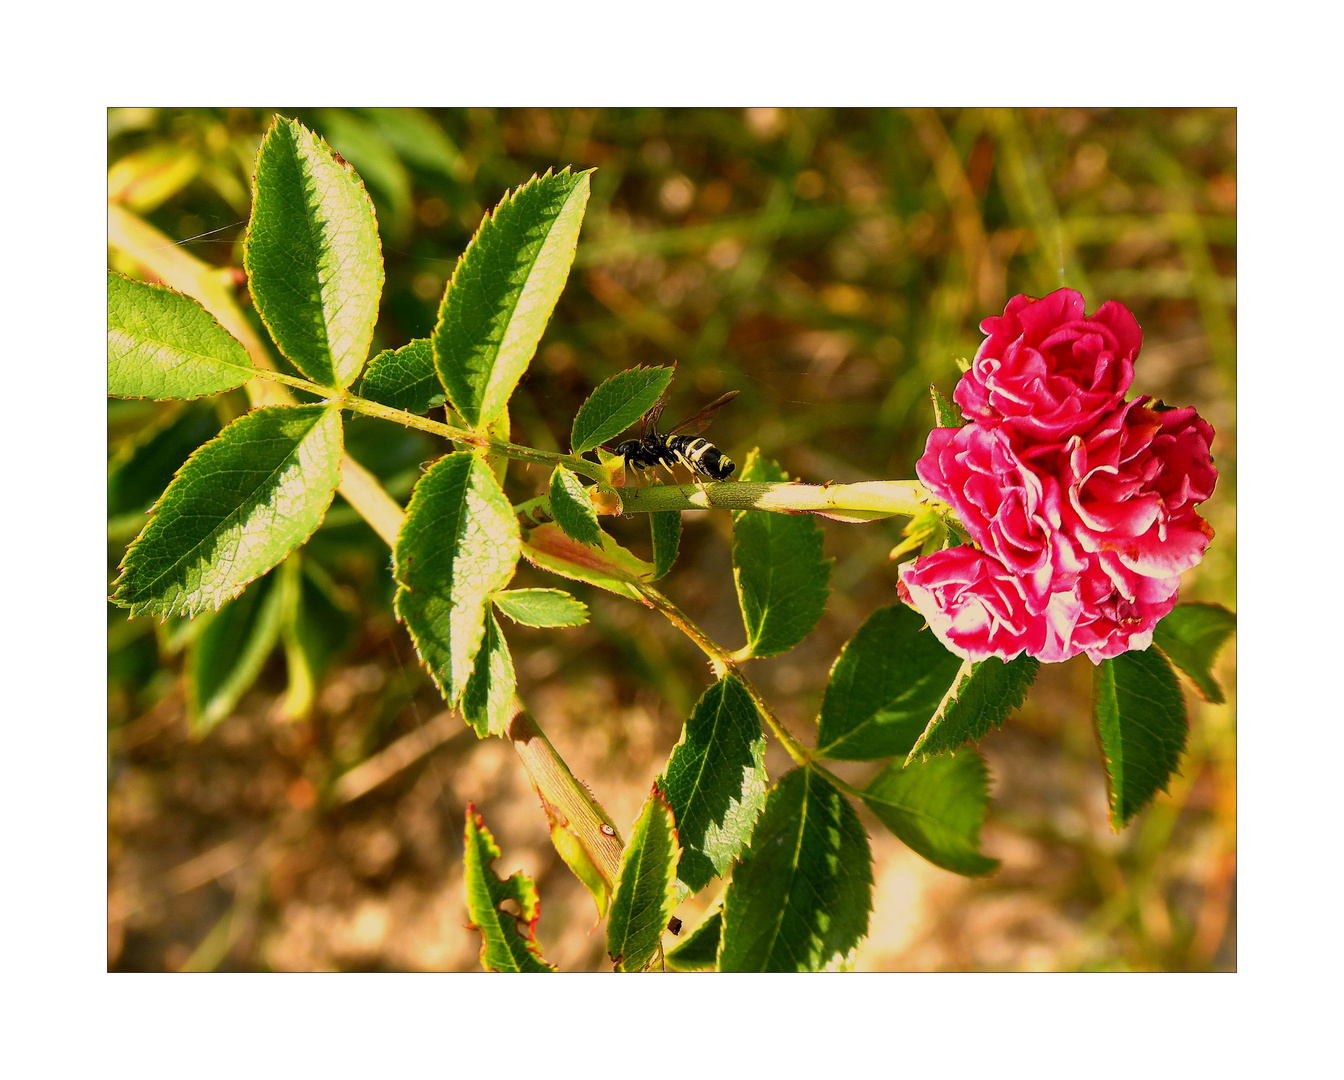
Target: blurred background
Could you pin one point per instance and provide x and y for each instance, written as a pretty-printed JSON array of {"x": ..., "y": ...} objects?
[{"x": 290, "y": 795}]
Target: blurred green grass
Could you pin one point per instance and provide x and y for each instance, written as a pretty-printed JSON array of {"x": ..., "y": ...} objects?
[{"x": 830, "y": 265}]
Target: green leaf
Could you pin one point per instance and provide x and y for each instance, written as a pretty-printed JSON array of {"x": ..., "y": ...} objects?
[
  {"x": 699, "y": 950},
  {"x": 1190, "y": 637},
  {"x": 488, "y": 697},
  {"x": 945, "y": 414},
  {"x": 666, "y": 528},
  {"x": 1139, "y": 715},
  {"x": 925, "y": 533},
  {"x": 457, "y": 548},
  {"x": 227, "y": 655},
  {"x": 779, "y": 570},
  {"x": 162, "y": 344},
  {"x": 405, "y": 378},
  {"x": 313, "y": 259},
  {"x": 138, "y": 474},
  {"x": 645, "y": 893},
  {"x": 318, "y": 626},
  {"x": 617, "y": 404},
  {"x": 936, "y": 808},
  {"x": 610, "y": 567},
  {"x": 503, "y": 291},
  {"x": 541, "y": 607},
  {"x": 571, "y": 508},
  {"x": 980, "y": 698},
  {"x": 800, "y": 898},
  {"x": 239, "y": 505},
  {"x": 884, "y": 686},
  {"x": 508, "y": 941},
  {"x": 715, "y": 781}
]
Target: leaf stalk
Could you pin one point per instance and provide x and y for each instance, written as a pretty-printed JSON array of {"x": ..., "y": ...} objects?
[{"x": 726, "y": 663}]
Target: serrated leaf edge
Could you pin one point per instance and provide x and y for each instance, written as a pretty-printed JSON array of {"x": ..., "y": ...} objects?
[
  {"x": 186, "y": 610},
  {"x": 529, "y": 939},
  {"x": 509, "y": 197},
  {"x": 249, "y": 366},
  {"x": 658, "y": 798},
  {"x": 598, "y": 388},
  {"x": 247, "y": 245}
]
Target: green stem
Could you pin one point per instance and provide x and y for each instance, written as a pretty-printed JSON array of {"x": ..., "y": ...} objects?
[
  {"x": 866, "y": 501},
  {"x": 725, "y": 663},
  {"x": 355, "y": 403},
  {"x": 848, "y": 788}
]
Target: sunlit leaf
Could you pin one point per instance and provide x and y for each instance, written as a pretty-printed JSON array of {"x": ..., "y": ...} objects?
[
  {"x": 715, "y": 781},
  {"x": 313, "y": 258},
  {"x": 404, "y": 378},
  {"x": 458, "y": 547},
  {"x": 616, "y": 404},
  {"x": 979, "y": 699},
  {"x": 646, "y": 892},
  {"x": 884, "y": 687},
  {"x": 508, "y": 941},
  {"x": 488, "y": 696},
  {"x": 239, "y": 505},
  {"x": 541, "y": 607},
  {"x": 800, "y": 898},
  {"x": 162, "y": 344},
  {"x": 609, "y": 567},
  {"x": 699, "y": 950},
  {"x": 936, "y": 808},
  {"x": 1139, "y": 714},
  {"x": 778, "y": 566},
  {"x": 503, "y": 291},
  {"x": 945, "y": 413},
  {"x": 571, "y": 508}
]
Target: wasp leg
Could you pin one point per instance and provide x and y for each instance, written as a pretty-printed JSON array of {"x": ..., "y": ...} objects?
[{"x": 689, "y": 466}]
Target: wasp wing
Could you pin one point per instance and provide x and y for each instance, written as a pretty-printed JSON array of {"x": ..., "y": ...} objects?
[
  {"x": 703, "y": 417},
  {"x": 651, "y": 418}
]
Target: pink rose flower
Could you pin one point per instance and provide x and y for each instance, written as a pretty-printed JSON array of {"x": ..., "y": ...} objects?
[
  {"x": 978, "y": 608},
  {"x": 1049, "y": 370},
  {"x": 1082, "y": 505},
  {"x": 1010, "y": 510},
  {"x": 1132, "y": 484},
  {"x": 1118, "y": 609}
]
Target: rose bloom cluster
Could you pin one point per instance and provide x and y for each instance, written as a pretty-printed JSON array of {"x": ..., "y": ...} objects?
[{"x": 1081, "y": 504}]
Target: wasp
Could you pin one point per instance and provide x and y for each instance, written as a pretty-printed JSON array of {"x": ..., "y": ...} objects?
[{"x": 654, "y": 448}]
